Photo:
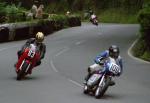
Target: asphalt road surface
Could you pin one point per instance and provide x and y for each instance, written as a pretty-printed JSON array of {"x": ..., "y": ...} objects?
[{"x": 69, "y": 52}]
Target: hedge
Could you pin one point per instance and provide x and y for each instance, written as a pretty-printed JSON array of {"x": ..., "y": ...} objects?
[
  {"x": 144, "y": 20},
  {"x": 24, "y": 30},
  {"x": 142, "y": 48}
]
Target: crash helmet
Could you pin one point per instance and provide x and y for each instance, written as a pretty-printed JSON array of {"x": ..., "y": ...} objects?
[
  {"x": 39, "y": 37},
  {"x": 114, "y": 51},
  {"x": 68, "y": 13}
]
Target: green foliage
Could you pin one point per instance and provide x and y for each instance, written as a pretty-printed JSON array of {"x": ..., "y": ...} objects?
[
  {"x": 146, "y": 4},
  {"x": 117, "y": 16},
  {"x": 11, "y": 9},
  {"x": 70, "y": 20},
  {"x": 2, "y": 13},
  {"x": 139, "y": 48},
  {"x": 59, "y": 18},
  {"x": 45, "y": 15},
  {"x": 57, "y": 7},
  {"x": 146, "y": 55},
  {"x": 2, "y": 6},
  {"x": 13, "y": 13},
  {"x": 144, "y": 17},
  {"x": 144, "y": 20},
  {"x": 142, "y": 48}
]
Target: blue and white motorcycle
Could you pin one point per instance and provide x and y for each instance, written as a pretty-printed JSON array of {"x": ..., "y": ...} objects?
[{"x": 99, "y": 82}]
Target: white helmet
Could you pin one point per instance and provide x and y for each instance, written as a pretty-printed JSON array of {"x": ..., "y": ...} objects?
[
  {"x": 68, "y": 12},
  {"x": 39, "y": 37}
]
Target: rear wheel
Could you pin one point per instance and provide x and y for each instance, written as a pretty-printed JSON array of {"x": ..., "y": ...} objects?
[
  {"x": 85, "y": 89},
  {"x": 21, "y": 73}
]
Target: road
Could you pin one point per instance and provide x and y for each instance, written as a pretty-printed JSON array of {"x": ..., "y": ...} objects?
[{"x": 69, "y": 52}]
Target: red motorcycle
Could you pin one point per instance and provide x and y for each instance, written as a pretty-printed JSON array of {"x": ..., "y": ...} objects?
[{"x": 27, "y": 61}]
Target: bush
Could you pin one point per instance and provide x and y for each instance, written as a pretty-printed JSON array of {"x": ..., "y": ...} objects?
[
  {"x": 139, "y": 48},
  {"x": 117, "y": 16},
  {"x": 142, "y": 48},
  {"x": 2, "y": 13},
  {"x": 144, "y": 20},
  {"x": 146, "y": 55},
  {"x": 74, "y": 20},
  {"x": 30, "y": 28},
  {"x": 11, "y": 13},
  {"x": 14, "y": 14},
  {"x": 59, "y": 18}
]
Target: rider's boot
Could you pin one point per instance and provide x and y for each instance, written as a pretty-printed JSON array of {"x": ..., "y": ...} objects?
[
  {"x": 19, "y": 53},
  {"x": 38, "y": 63},
  {"x": 30, "y": 71},
  {"x": 87, "y": 78},
  {"x": 112, "y": 82},
  {"x": 88, "y": 75},
  {"x": 15, "y": 65}
]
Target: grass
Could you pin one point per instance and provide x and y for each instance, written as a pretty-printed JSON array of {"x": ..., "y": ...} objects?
[
  {"x": 139, "y": 50},
  {"x": 117, "y": 16},
  {"x": 146, "y": 56}
]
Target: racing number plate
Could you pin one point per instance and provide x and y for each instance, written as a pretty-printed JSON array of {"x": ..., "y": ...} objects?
[
  {"x": 31, "y": 53},
  {"x": 114, "y": 68}
]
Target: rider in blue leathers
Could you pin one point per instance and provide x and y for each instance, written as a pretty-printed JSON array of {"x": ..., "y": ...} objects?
[{"x": 113, "y": 52}]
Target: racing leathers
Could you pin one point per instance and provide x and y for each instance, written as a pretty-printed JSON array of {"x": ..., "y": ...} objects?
[{"x": 99, "y": 66}]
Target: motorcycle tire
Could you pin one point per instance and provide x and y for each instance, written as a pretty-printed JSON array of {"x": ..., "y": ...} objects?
[
  {"x": 100, "y": 91},
  {"x": 96, "y": 24},
  {"x": 85, "y": 89},
  {"x": 21, "y": 73}
]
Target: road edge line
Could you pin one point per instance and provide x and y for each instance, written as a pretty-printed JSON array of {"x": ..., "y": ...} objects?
[{"x": 133, "y": 57}]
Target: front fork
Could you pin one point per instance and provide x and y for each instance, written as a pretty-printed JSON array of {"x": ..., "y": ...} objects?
[
  {"x": 101, "y": 83},
  {"x": 28, "y": 67}
]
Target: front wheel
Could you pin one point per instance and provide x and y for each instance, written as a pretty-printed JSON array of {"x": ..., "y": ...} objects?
[
  {"x": 98, "y": 92},
  {"x": 95, "y": 22},
  {"x": 21, "y": 73},
  {"x": 102, "y": 89}
]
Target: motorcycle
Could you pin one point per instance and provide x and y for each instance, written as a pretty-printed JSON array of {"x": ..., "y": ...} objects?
[
  {"x": 27, "y": 61},
  {"x": 94, "y": 20},
  {"x": 99, "y": 82}
]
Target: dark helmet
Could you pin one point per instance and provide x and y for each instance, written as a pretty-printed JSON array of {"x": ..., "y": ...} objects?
[{"x": 114, "y": 51}]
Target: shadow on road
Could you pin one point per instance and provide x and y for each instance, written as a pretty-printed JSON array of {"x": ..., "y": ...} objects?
[{"x": 106, "y": 96}]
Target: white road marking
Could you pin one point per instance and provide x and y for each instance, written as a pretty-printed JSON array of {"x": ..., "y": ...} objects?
[
  {"x": 53, "y": 67},
  {"x": 135, "y": 58},
  {"x": 59, "y": 53},
  {"x": 79, "y": 42},
  {"x": 72, "y": 81},
  {"x": 62, "y": 51},
  {"x": 76, "y": 83}
]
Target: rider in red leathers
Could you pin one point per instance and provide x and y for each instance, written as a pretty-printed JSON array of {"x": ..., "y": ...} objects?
[{"x": 38, "y": 40}]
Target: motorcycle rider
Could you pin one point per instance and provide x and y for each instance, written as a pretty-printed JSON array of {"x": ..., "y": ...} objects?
[
  {"x": 38, "y": 40},
  {"x": 92, "y": 15},
  {"x": 113, "y": 52}
]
